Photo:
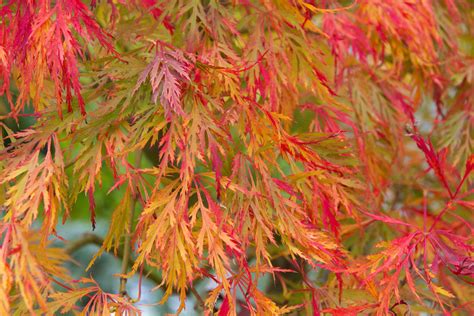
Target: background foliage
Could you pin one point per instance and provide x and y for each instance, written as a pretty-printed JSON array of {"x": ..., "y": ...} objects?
[{"x": 245, "y": 157}]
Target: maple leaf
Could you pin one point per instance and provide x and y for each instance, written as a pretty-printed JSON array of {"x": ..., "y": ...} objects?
[
  {"x": 30, "y": 265},
  {"x": 100, "y": 302},
  {"x": 435, "y": 160},
  {"x": 167, "y": 73},
  {"x": 41, "y": 41},
  {"x": 268, "y": 143},
  {"x": 455, "y": 257},
  {"x": 40, "y": 180},
  {"x": 157, "y": 13}
]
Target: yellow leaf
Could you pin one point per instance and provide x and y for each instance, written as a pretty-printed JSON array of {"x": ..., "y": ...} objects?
[{"x": 440, "y": 290}]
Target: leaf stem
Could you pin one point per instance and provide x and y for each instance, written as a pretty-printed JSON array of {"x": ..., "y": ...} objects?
[{"x": 128, "y": 234}]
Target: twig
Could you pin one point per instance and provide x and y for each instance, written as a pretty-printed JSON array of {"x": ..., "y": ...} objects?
[
  {"x": 92, "y": 239},
  {"x": 127, "y": 242},
  {"x": 198, "y": 297}
]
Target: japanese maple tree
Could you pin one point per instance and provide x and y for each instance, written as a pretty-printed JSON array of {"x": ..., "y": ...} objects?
[{"x": 300, "y": 157}]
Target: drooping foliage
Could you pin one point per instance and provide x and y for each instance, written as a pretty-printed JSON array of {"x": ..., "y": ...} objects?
[{"x": 326, "y": 144}]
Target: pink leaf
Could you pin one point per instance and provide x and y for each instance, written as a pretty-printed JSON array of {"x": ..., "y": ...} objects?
[{"x": 167, "y": 72}]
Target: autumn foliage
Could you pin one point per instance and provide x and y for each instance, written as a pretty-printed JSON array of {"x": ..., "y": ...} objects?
[{"x": 325, "y": 144}]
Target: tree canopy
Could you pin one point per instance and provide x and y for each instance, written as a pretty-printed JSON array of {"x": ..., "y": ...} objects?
[{"x": 299, "y": 157}]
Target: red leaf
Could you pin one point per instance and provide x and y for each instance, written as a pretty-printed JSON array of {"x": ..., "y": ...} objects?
[
  {"x": 157, "y": 13},
  {"x": 285, "y": 187},
  {"x": 387, "y": 219},
  {"x": 434, "y": 159},
  {"x": 225, "y": 307}
]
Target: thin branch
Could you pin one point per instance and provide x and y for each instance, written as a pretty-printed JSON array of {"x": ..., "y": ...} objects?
[
  {"x": 86, "y": 239},
  {"x": 128, "y": 235},
  {"x": 93, "y": 239},
  {"x": 70, "y": 163},
  {"x": 198, "y": 297}
]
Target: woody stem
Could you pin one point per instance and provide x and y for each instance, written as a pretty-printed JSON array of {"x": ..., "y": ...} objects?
[
  {"x": 92, "y": 239},
  {"x": 128, "y": 234}
]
